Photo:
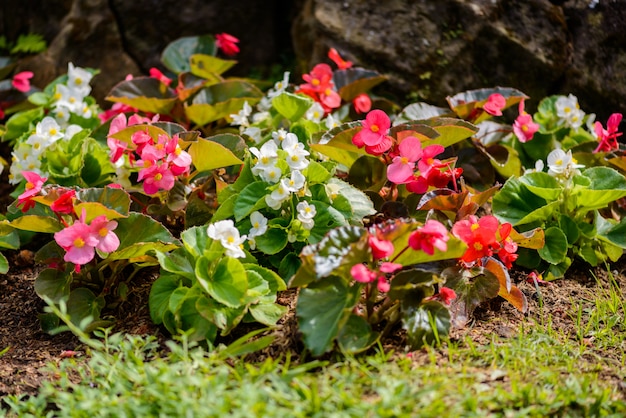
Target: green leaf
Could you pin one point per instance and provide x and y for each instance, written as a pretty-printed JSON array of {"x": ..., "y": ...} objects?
[
  {"x": 189, "y": 319},
  {"x": 356, "y": 335},
  {"x": 337, "y": 144},
  {"x": 555, "y": 249},
  {"x": 4, "y": 264},
  {"x": 195, "y": 240},
  {"x": 275, "y": 282},
  {"x": 220, "y": 156},
  {"x": 144, "y": 93},
  {"x": 10, "y": 240},
  {"x": 227, "y": 283},
  {"x": 543, "y": 185},
  {"x": 22, "y": 122},
  {"x": 425, "y": 323},
  {"x": 514, "y": 203},
  {"x": 607, "y": 185},
  {"x": 292, "y": 106},
  {"x": 251, "y": 198},
  {"x": 117, "y": 200},
  {"x": 450, "y": 130},
  {"x": 177, "y": 54},
  {"x": 360, "y": 203},
  {"x": 267, "y": 313},
  {"x": 272, "y": 241},
  {"x": 83, "y": 304},
  {"x": 321, "y": 309},
  {"x": 613, "y": 233},
  {"x": 504, "y": 159},
  {"x": 53, "y": 284},
  {"x": 178, "y": 262},
  {"x": 140, "y": 234},
  {"x": 207, "y": 66},
  {"x": 36, "y": 223},
  {"x": 160, "y": 293}
]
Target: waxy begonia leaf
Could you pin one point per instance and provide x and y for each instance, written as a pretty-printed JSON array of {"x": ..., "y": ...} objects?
[
  {"x": 543, "y": 185},
  {"x": 267, "y": 313},
  {"x": 275, "y": 282},
  {"x": 368, "y": 173},
  {"x": 356, "y": 335},
  {"x": 4, "y": 264},
  {"x": 292, "y": 106},
  {"x": 317, "y": 173},
  {"x": 251, "y": 198},
  {"x": 422, "y": 131},
  {"x": 615, "y": 233},
  {"x": 420, "y": 112},
  {"x": 160, "y": 293},
  {"x": 195, "y": 240},
  {"x": 227, "y": 90},
  {"x": 555, "y": 249},
  {"x": 607, "y": 185},
  {"x": 144, "y": 93},
  {"x": 208, "y": 155},
  {"x": 273, "y": 240},
  {"x": 507, "y": 290},
  {"x": 235, "y": 143},
  {"x": 10, "y": 240},
  {"x": 53, "y": 284},
  {"x": 139, "y": 234},
  {"x": 225, "y": 209},
  {"x": 468, "y": 104},
  {"x": 204, "y": 113},
  {"x": 321, "y": 310},
  {"x": 569, "y": 228},
  {"x": 413, "y": 284},
  {"x": 197, "y": 211},
  {"x": 472, "y": 288},
  {"x": 533, "y": 239},
  {"x": 336, "y": 253},
  {"x": 36, "y": 223},
  {"x": 188, "y": 319},
  {"x": 556, "y": 271},
  {"x": 178, "y": 262},
  {"x": 360, "y": 203},
  {"x": 450, "y": 130},
  {"x": 82, "y": 304},
  {"x": 207, "y": 66},
  {"x": 425, "y": 323},
  {"x": 504, "y": 160},
  {"x": 21, "y": 122},
  {"x": 176, "y": 55},
  {"x": 222, "y": 316},
  {"x": 353, "y": 81},
  {"x": 227, "y": 282},
  {"x": 327, "y": 218},
  {"x": 518, "y": 205}
]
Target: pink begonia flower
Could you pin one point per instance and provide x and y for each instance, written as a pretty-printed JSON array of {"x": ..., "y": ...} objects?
[
  {"x": 141, "y": 139},
  {"x": 330, "y": 98},
  {"x": 319, "y": 79},
  {"x": 362, "y": 103},
  {"x": 154, "y": 151},
  {"x": 179, "y": 160},
  {"x": 400, "y": 171},
  {"x": 362, "y": 274},
  {"x": 21, "y": 81},
  {"x": 117, "y": 147},
  {"x": 375, "y": 127},
  {"x": 430, "y": 236},
  {"x": 524, "y": 127},
  {"x": 336, "y": 58},
  {"x": 103, "y": 231},
  {"x": 428, "y": 161},
  {"x": 608, "y": 137},
  {"x": 78, "y": 241},
  {"x": 494, "y": 105},
  {"x": 227, "y": 43},
  {"x": 156, "y": 73},
  {"x": 388, "y": 267},
  {"x": 34, "y": 183},
  {"x": 155, "y": 178},
  {"x": 380, "y": 248}
]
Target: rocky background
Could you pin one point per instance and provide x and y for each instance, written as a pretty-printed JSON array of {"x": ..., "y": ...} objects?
[{"x": 429, "y": 49}]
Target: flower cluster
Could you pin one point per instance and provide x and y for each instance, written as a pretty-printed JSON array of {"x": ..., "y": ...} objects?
[
  {"x": 70, "y": 97},
  {"x": 569, "y": 112},
  {"x": 226, "y": 233},
  {"x": 524, "y": 128},
  {"x": 562, "y": 164},
  {"x": 161, "y": 159},
  {"x": 485, "y": 237},
  {"x": 81, "y": 239},
  {"x": 406, "y": 154},
  {"x": 607, "y": 138}
]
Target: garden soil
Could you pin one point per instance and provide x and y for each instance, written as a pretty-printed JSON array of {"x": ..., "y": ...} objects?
[{"x": 29, "y": 349}]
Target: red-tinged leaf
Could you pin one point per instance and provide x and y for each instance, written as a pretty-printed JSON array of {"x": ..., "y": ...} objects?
[
  {"x": 176, "y": 55},
  {"x": 191, "y": 84},
  {"x": 425, "y": 131},
  {"x": 465, "y": 103},
  {"x": 353, "y": 81},
  {"x": 442, "y": 199},
  {"x": 450, "y": 130},
  {"x": 337, "y": 144},
  {"x": 144, "y": 93},
  {"x": 500, "y": 271},
  {"x": 515, "y": 297},
  {"x": 208, "y": 66}
]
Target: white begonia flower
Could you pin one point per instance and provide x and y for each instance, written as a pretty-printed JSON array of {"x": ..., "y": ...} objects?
[
  {"x": 68, "y": 98},
  {"x": 279, "y": 86},
  {"x": 315, "y": 112},
  {"x": 38, "y": 144},
  {"x": 259, "y": 224},
  {"x": 265, "y": 104},
  {"x": 332, "y": 190},
  {"x": 266, "y": 156},
  {"x": 275, "y": 199},
  {"x": 241, "y": 118},
  {"x": 229, "y": 237},
  {"x": 331, "y": 122},
  {"x": 84, "y": 110},
  {"x": 78, "y": 79},
  {"x": 72, "y": 130},
  {"x": 562, "y": 163},
  {"x": 295, "y": 183},
  {"x": 270, "y": 174},
  {"x": 279, "y": 136},
  {"x": 254, "y": 133},
  {"x": 306, "y": 213},
  {"x": 296, "y": 154},
  {"x": 122, "y": 173},
  {"x": 568, "y": 110},
  {"x": 61, "y": 114},
  {"x": 260, "y": 116},
  {"x": 49, "y": 128}
]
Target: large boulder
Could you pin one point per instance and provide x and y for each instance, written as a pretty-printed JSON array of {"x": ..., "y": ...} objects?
[{"x": 431, "y": 49}]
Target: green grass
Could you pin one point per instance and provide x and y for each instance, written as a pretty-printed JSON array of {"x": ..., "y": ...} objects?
[{"x": 541, "y": 372}]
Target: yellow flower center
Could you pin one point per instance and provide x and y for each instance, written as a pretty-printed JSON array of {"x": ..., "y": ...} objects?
[
  {"x": 158, "y": 176},
  {"x": 103, "y": 232},
  {"x": 79, "y": 243},
  {"x": 52, "y": 131},
  {"x": 265, "y": 160},
  {"x": 295, "y": 158},
  {"x": 559, "y": 162},
  {"x": 30, "y": 186},
  {"x": 374, "y": 128},
  {"x": 315, "y": 82},
  {"x": 474, "y": 227},
  {"x": 404, "y": 160},
  {"x": 79, "y": 81},
  {"x": 524, "y": 128},
  {"x": 230, "y": 239},
  {"x": 478, "y": 246}
]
